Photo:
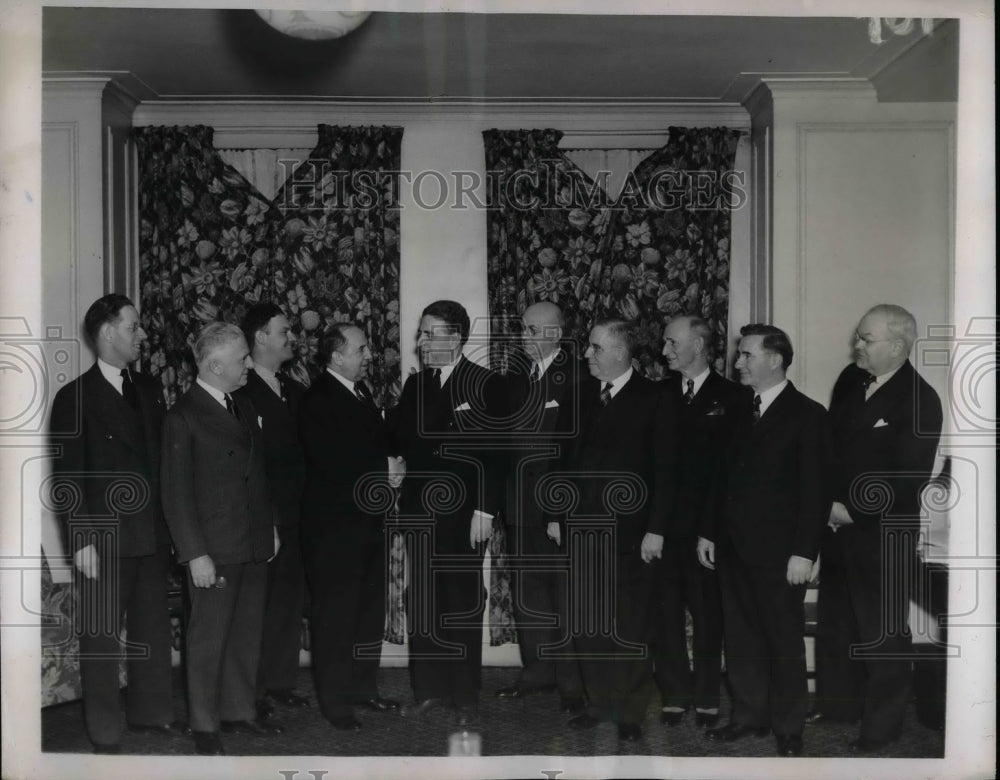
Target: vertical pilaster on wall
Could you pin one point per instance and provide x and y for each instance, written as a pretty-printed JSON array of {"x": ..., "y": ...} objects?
[
  {"x": 121, "y": 266},
  {"x": 761, "y": 110}
]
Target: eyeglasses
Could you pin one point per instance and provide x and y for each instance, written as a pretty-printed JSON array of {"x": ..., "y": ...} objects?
[{"x": 868, "y": 340}]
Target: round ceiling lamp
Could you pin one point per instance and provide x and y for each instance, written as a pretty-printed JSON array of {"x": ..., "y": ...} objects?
[{"x": 314, "y": 25}]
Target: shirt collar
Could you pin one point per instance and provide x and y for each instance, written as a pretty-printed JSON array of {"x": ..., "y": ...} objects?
[
  {"x": 112, "y": 374},
  {"x": 881, "y": 379},
  {"x": 544, "y": 363},
  {"x": 698, "y": 380},
  {"x": 217, "y": 394},
  {"x": 446, "y": 371},
  {"x": 767, "y": 397},
  {"x": 270, "y": 377},
  {"x": 619, "y": 383},
  {"x": 343, "y": 380}
]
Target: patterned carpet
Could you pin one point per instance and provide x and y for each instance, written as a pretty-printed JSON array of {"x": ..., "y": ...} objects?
[{"x": 528, "y": 727}]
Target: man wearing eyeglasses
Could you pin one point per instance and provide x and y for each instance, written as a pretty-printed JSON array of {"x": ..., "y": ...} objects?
[{"x": 886, "y": 425}]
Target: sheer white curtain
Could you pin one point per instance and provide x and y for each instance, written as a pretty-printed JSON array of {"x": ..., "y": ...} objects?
[
  {"x": 608, "y": 167},
  {"x": 265, "y": 169}
]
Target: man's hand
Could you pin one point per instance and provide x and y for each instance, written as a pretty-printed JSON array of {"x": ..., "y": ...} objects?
[
  {"x": 839, "y": 516},
  {"x": 88, "y": 562},
  {"x": 814, "y": 574},
  {"x": 651, "y": 547},
  {"x": 553, "y": 532},
  {"x": 202, "y": 571},
  {"x": 706, "y": 553},
  {"x": 799, "y": 569},
  {"x": 397, "y": 470},
  {"x": 480, "y": 528},
  {"x": 277, "y": 545}
]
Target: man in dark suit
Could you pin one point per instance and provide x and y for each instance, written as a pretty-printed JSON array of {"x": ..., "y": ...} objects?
[
  {"x": 276, "y": 398},
  {"x": 621, "y": 463},
  {"x": 886, "y": 426},
  {"x": 707, "y": 408},
  {"x": 445, "y": 430},
  {"x": 346, "y": 446},
  {"x": 765, "y": 542},
  {"x": 106, "y": 425},
  {"x": 538, "y": 392},
  {"x": 218, "y": 507}
]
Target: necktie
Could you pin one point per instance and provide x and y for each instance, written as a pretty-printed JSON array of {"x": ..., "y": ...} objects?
[
  {"x": 606, "y": 394},
  {"x": 128, "y": 389},
  {"x": 436, "y": 378},
  {"x": 282, "y": 384},
  {"x": 689, "y": 393},
  {"x": 756, "y": 408},
  {"x": 231, "y": 407},
  {"x": 361, "y": 391},
  {"x": 866, "y": 383},
  {"x": 534, "y": 375}
]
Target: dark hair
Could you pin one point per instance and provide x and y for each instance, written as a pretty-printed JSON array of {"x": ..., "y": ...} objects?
[
  {"x": 332, "y": 341},
  {"x": 103, "y": 310},
  {"x": 775, "y": 340},
  {"x": 453, "y": 314},
  {"x": 623, "y": 331},
  {"x": 256, "y": 319}
]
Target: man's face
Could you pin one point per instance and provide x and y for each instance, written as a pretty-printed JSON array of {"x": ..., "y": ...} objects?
[
  {"x": 539, "y": 334},
  {"x": 875, "y": 349},
  {"x": 605, "y": 356},
  {"x": 230, "y": 364},
  {"x": 756, "y": 365},
  {"x": 437, "y": 344},
  {"x": 352, "y": 360},
  {"x": 124, "y": 337},
  {"x": 679, "y": 345},
  {"x": 276, "y": 339}
]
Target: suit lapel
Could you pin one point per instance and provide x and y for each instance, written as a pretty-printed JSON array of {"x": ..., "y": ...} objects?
[
  {"x": 116, "y": 416},
  {"x": 339, "y": 394},
  {"x": 882, "y": 402},
  {"x": 219, "y": 419},
  {"x": 775, "y": 412}
]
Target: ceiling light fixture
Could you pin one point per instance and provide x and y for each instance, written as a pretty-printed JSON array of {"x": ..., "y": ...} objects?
[
  {"x": 896, "y": 26},
  {"x": 314, "y": 25}
]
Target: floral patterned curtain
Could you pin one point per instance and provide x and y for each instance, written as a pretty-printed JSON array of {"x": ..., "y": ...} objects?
[
  {"x": 326, "y": 249},
  {"x": 659, "y": 250}
]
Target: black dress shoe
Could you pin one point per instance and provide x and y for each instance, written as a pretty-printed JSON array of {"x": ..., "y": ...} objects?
[
  {"x": 789, "y": 745},
  {"x": 265, "y": 709},
  {"x": 519, "y": 692},
  {"x": 288, "y": 699},
  {"x": 864, "y": 745},
  {"x": 734, "y": 731},
  {"x": 259, "y": 727},
  {"x": 419, "y": 709},
  {"x": 345, "y": 722},
  {"x": 671, "y": 718},
  {"x": 174, "y": 729},
  {"x": 378, "y": 704},
  {"x": 207, "y": 743},
  {"x": 107, "y": 749},
  {"x": 706, "y": 720},
  {"x": 572, "y": 705},
  {"x": 584, "y": 721},
  {"x": 629, "y": 732}
]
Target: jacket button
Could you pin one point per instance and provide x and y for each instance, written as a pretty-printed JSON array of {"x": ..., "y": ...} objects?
[{"x": 436, "y": 453}]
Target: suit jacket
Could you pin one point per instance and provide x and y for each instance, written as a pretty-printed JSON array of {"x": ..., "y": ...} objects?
[
  {"x": 704, "y": 430},
  {"x": 776, "y": 500},
  {"x": 543, "y": 417},
  {"x": 215, "y": 492},
  {"x": 282, "y": 451},
  {"x": 635, "y": 434},
  {"x": 893, "y": 437},
  {"x": 343, "y": 440},
  {"x": 102, "y": 441},
  {"x": 464, "y": 417}
]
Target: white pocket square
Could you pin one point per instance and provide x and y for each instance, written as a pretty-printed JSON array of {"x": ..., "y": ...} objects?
[
  {"x": 260, "y": 422},
  {"x": 463, "y": 408},
  {"x": 551, "y": 404},
  {"x": 880, "y": 423}
]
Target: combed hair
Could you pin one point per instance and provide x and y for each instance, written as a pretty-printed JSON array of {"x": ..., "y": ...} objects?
[
  {"x": 901, "y": 324},
  {"x": 213, "y": 336},
  {"x": 256, "y": 319},
  {"x": 623, "y": 331},
  {"x": 453, "y": 314},
  {"x": 700, "y": 330},
  {"x": 775, "y": 340},
  {"x": 334, "y": 340},
  {"x": 107, "y": 309}
]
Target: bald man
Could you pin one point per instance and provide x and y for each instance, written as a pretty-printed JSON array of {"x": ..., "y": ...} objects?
[
  {"x": 886, "y": 426},
  {"x": 540, "y": 388}
]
